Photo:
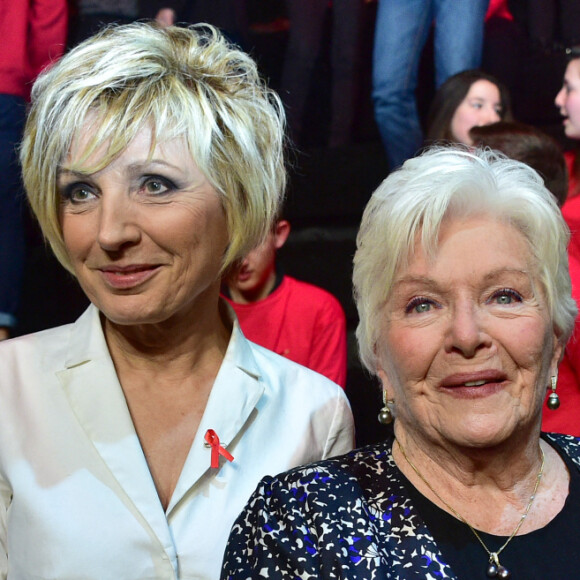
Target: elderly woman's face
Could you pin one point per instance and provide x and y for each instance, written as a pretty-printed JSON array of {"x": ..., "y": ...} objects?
[
  {"x": 145, "y": 235},
  {"x": 467, "y": 344}
]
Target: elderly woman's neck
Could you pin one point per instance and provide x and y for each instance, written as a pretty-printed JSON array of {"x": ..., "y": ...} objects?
[
  {"x": 442, "y": 463},
  {"x": 494, "y": 490}
]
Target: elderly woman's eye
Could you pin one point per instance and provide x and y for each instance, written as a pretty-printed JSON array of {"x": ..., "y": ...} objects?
[
  {"x": 419, "y": 305},
  {"x": 155, "y": 185},
  {"x": 506, "y": 296}
]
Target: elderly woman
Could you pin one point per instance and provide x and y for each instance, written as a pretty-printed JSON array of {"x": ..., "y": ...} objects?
[
  {"x": 131, "y": 439},
  {"x": 471, "y": 98},
  {"x": 464, "y": 299}
]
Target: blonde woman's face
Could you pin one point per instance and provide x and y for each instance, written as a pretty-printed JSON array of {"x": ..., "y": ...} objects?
[
  {"x": 481, "y": 106},
  {"x": 146, "y": 235}
]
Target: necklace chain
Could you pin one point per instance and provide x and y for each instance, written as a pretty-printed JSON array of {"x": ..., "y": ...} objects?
[{"x": 493, "y": 556}]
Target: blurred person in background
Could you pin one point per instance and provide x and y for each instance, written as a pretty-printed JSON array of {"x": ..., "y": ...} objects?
[
  {"x": 90, "y": 16},
  {"x": 402, "y": 28},
  {"x": 307, "y": 19},
  {"x": 230, "y": 16},
  {"x": 568, "y": 103},
  {"x": 529, "y": 145},
  {"x": 468, "y": 99},
  {"x": 297, "y": 320},
  {"x": 33, "y": 35}
]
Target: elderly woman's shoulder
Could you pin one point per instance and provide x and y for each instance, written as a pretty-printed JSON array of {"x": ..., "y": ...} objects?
[
  {"x": 353, "y": 474},
  {"x": 348, "y": 516},
  {"x": 569, "y": 444},
  {"x": 349, "y": 490}
]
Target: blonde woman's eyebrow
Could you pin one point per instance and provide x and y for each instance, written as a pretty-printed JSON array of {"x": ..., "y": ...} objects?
[{"x": 135, "y": 167}]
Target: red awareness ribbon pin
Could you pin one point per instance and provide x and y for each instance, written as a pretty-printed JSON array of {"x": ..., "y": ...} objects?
[{"x": 216, "y": 449}]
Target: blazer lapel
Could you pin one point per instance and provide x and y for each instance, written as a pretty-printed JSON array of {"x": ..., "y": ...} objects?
[
  {"x": 95, "y": 395},
  {"x": 234, "y": 396}
]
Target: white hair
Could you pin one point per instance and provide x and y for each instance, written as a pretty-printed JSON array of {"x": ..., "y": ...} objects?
[{"x": 414, "y": 200}]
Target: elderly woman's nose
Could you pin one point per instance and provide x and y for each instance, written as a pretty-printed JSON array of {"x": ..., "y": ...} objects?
[
  {"x": 117, "y": 223},
  {"x": 465, "y": 333}
]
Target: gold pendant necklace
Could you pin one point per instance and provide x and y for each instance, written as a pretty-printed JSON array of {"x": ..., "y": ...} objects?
[{"x": 494, "y": 568}]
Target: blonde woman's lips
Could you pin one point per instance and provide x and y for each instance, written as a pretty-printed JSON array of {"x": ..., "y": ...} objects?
[{"x": 128, "y": 277}]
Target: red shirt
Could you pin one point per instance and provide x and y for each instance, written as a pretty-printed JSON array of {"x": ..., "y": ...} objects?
[
  {"x": 573, "y": 185},
  {"x": 33, "y": 34},
  {"x": 566, "y": 419},
  {"x": 498, "y": 9},
  {"x": 301, "y": 322}
]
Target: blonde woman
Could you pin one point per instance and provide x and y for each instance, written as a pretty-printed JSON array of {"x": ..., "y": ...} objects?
[{"x": 130, "y": 440}]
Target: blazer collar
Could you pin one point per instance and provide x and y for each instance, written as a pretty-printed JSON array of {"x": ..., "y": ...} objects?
[
  {"x": 90, "y": 382},
  {"x": 96, "y": 397},
  {"x": 235, "y": 394}
]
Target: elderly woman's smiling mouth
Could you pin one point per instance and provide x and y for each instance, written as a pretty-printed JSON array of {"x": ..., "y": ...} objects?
[{"x": 474, "y": 384}]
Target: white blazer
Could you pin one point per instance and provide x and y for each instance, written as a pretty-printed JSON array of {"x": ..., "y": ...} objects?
[{"x": 77, "y": 500}]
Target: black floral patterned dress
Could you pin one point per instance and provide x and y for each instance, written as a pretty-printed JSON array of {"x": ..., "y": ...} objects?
[{"x": 349, "y": 517}]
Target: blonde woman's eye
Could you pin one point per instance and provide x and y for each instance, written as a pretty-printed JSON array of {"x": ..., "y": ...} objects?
[
  {"x": 156, "y": 185},
  {"x": 78, "y": 193}
]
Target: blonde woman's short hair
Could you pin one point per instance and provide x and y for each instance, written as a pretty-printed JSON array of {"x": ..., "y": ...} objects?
[
  {"x": 451, "y": 182},
  {"x": 180, "y": 82}
]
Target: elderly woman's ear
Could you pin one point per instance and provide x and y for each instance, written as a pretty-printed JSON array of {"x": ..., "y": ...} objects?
[
  {"x": 382, "y": 371},
  {"x": 559, "y": 349},
  {"x": 386, "y": 383}
]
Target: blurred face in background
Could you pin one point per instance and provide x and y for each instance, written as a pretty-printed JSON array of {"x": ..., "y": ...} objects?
[
  {"x": 568, "y": 99},
  {"x": 481, "y": 106},
  {"x": 255, "y": 277}
]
